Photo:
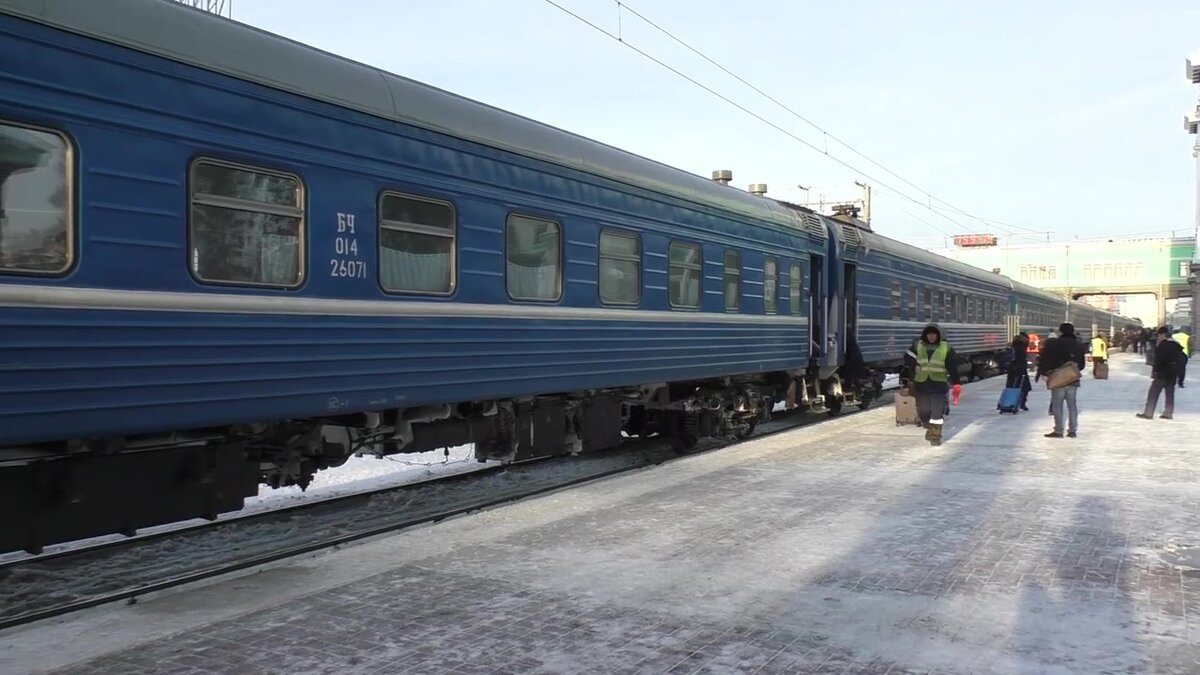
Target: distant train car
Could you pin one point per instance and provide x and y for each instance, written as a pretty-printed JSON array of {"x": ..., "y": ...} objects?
[
  {"x": 1035, "y": 311},
  {"x": 885, "y": 292}
]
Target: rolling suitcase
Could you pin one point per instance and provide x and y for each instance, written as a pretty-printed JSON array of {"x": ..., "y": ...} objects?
[
  {"x": 1010, "y": 400},
  {"x": 906, "y": 409},
  {"x": 1100, "y": 370}
]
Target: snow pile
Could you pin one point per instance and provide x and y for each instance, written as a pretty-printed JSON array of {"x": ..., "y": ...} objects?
[{"x": 358, "y": 474}]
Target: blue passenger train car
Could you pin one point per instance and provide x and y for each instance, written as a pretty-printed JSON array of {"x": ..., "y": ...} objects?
[
  {"x": 227, "y": 258},
  {"x": 223, "y": 243}
]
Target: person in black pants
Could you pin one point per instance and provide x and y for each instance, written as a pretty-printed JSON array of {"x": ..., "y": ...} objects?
[
  {"x": 1018, "y": 370},
  {"x": 1168, "y": 355}
]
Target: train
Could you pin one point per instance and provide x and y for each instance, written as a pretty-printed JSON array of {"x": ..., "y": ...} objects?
[{"x": 228, "y": 259}]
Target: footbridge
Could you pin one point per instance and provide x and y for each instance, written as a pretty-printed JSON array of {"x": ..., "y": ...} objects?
[{"x": 1158, "y": 267}]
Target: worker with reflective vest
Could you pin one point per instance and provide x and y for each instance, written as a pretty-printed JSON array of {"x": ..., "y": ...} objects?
[
  {"x": 1184, "y": 341},
  {"x": 1099, "y": 349},
  {"x": 933, "y": 367}
]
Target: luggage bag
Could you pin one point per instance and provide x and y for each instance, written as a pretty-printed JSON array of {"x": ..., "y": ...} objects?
[
  {"x": 1010, "y": 400},
  {"x": 906, "y": 409}
]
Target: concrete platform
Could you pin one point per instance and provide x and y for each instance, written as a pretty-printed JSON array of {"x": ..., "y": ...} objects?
[{"x": 850, "y": 547}]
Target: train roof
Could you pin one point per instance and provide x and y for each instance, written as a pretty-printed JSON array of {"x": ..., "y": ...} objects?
[
  {"x": 877, "y": 242},
  {"x": 187, "y": 35},
  {"x": 1026, "y": 289}
]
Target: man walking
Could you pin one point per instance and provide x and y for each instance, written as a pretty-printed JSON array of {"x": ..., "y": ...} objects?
[
  {"x": 935, "y": 372},
  {"x": 1056, "y": 353},
  {"x": 1168, "y": 356},
  {"x": 1184, "y": 341}
]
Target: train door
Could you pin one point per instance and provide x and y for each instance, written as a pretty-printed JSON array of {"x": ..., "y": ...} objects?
[
  {"x": 816, "y": 305},
  {"x": 850, "y": 303}
]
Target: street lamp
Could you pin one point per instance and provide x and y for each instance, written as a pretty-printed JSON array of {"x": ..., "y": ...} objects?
[{"x": 1191, "y": 124}]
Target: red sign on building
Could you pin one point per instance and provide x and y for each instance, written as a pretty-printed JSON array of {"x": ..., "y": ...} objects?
[{"x": 975, "y": 240}]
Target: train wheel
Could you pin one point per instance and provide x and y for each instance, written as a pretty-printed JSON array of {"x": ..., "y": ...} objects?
[
  {"x": 747, "y": 431},
  {"x": 682, "y": 439},
  {"x": 834, "y": 406}
]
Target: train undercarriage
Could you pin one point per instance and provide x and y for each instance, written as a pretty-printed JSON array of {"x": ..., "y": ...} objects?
[{"x": 81, "y": 489}]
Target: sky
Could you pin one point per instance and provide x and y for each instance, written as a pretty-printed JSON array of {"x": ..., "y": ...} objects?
[{"x": 1056, "y": 119}]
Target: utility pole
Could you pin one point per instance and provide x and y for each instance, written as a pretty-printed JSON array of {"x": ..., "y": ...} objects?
[
  {"x": 1191, "y": 124},
  {"x": 866, "y": 201},
  {"x": 219, "y": 7}
]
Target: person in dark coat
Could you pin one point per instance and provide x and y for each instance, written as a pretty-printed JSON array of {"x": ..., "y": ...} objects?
[
  {"x": 1018, "y": 368},
  {"x": 1168, "y": 355},
  {"x": 934, "y": 368},
  {"x": 1056, "y": 353}
]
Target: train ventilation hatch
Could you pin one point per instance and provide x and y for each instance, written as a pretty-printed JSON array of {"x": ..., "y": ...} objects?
[
  {"x": 815, "y": 227},
  {"x": 852, "y": 237}
]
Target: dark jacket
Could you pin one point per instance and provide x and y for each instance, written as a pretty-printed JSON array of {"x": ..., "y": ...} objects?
[
  {"x": 910, "y": 362},
  {"x": 1020, "y": 355},
  {"x": 1058, "y": 351},
  {"x": 1168, "y": 357}
]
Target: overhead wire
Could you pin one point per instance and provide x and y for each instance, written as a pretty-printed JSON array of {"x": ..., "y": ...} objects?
[
  {"x": 619, "y": 37},
  {"x": 874, "y": 180},
  {"x": 804, "y": 119}
]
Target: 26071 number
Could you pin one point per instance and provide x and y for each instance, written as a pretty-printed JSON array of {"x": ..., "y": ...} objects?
[{"x": 352, "y": 269}]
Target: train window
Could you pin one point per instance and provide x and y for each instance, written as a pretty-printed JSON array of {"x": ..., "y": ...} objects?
[
  {"x": 685, "y": 270},
  {"x": 928, "y": 305},
  {"x": 961, "y": 314},
  {"x": 416, "y": 244},
  {"x": 938, "y": 306},
  {"x": 914, "y": 307},
  {"x": 733, "y": 281},
  {"x": 948, "y": 305},
  {"x": 533, "y": 254},
  {"x": 895, "y": 294},
  {"x": 770, "y": 285},
  {"x": 971, "y": 309},
  {"x": 796, "y": 288},
  {"x": 247, "y": 226},
  {"x": 620, "y": 268},
  {"x": 36, "y": 232}
]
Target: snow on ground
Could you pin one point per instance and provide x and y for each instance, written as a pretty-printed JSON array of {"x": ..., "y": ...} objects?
[{"x": 358, "y": 474}]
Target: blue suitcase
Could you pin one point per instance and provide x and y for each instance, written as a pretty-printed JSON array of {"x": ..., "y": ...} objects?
[{"x": 1010, "y": 400}]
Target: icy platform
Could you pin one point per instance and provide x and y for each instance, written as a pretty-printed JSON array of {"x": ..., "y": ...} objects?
[{"x": 848, "y": 547}]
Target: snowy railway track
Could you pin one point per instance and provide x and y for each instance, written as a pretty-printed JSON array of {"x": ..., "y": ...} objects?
[{"x": 52, "y": 585}]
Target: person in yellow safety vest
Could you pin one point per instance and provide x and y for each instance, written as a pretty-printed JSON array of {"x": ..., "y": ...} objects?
[
  {"x": 1099, "y": 350},
  {"x": 1184, "y": 341},
  {"x": 933, "y": 366}
]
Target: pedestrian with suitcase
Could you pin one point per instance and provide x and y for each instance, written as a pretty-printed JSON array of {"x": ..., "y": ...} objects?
[
  {"x": 935, "y": 372},
  {"x": 1062, "y": 360},
  {"x": 1017, "y": 377},
  {"x": 1099, "y": 357}
]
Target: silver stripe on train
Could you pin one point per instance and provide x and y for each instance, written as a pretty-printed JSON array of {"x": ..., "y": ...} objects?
[{"x": 17, "y": 295}]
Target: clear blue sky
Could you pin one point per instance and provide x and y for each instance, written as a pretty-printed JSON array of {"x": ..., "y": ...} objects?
[{"x": 1061, "y": 116}]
